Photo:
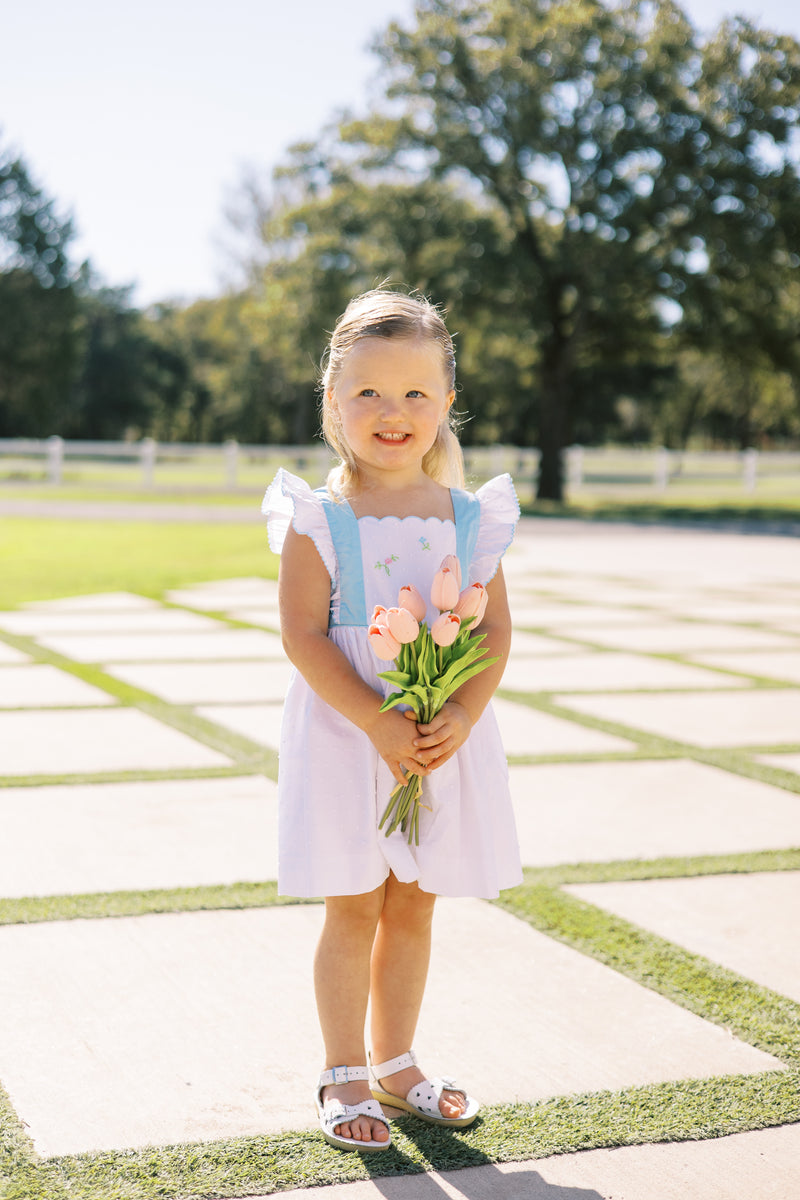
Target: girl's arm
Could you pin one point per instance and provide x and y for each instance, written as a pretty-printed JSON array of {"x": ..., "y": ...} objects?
[
  {"x": 304, "y": 590},
  {"x": 451, "y": 726}
]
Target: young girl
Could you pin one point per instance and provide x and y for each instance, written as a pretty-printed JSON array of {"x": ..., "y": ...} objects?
[{"x": 391, "y": 512}]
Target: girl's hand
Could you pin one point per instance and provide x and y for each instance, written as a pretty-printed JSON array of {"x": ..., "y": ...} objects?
[
  {"x": 396, "y": 741},
  {"x": 446, "y": 733}
]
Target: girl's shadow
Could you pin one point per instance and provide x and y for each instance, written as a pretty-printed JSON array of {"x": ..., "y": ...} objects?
[{"x": 471, "y": 1174}]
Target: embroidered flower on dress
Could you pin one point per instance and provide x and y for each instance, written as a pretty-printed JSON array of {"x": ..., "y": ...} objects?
[
  {"x": 386, "y": 564},
  {"x": 425, "y": 543}
]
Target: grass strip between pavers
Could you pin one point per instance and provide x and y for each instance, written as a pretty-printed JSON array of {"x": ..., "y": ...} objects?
[
  {"x": 665, "y": 1112},
  {"x": 29, "y": 910},
  {"x": 103, "y": 905}
]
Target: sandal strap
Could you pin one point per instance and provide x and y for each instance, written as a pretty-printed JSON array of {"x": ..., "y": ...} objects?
[
  {"x": 392, "y": 1065},
  {"x": 342, "y": 1075}
]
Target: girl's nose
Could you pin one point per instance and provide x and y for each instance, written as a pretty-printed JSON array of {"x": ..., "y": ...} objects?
[{"x": 392, "y": 407}]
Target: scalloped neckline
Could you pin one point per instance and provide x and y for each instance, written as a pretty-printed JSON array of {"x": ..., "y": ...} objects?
[{"x": 413, "y": 517}]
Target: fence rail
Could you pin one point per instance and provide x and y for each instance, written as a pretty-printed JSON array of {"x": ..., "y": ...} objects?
[{"x": 232, "y": 466}]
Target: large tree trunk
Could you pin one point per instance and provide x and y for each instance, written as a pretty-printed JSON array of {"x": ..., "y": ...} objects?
[{"x": 553, "y": 417}]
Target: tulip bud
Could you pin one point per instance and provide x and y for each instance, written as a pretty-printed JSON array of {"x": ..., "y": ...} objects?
[
  {"x": 472, "y": 603},
  {"x": 452, "y": 563},
  {"x": 378, "y": 615},
  {"x": 444, "y": 630},
  {"x": 411, "y": 599},
  {"x": 444, "y": 589},
  {"x": 383, "y": 644},
  {"x": 403, "y": 625}
]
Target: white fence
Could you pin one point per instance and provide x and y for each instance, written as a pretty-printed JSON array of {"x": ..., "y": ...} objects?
[{"x": 148, "y": 464}]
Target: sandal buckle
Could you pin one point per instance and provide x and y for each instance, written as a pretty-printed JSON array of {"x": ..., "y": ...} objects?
[{"x": 340, "y": 1075}]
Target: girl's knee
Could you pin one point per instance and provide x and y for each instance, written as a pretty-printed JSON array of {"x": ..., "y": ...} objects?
[
  {"x": 356, "y": 914},
  {"x": 407, "y": 905}
]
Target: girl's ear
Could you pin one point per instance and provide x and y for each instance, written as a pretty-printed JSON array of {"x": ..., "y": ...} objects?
[{"x": 450, "y": 398}]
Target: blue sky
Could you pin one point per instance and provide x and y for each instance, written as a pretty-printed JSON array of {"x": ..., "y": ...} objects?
[{"x": 141, "y": 119}]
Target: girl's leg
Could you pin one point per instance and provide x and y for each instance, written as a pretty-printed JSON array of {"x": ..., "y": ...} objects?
[
  {"x": 341, "y": 984},
  {"x": 400, "y": 958}
]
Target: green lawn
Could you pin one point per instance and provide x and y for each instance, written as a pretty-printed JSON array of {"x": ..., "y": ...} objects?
[{"x": 45, "y": 559}]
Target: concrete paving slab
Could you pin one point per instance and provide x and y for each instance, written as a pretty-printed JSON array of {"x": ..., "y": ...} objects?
[
  {"x": 786, "y": 762},
  {"x": 749, "y": 613},
  {"x": 68, "y": 742},
  {"x": 107, "y": 837},
  {"x": 219, "y": 595},
  {"x": 149, "y": 620},
  {"x": 776, "y": 664},
  {"x": 172, "y": 1027},
  {"x": 528, "y": 731},
  {"x": 220, "y": 643},
  {"x": 598, "y": 812},
  {"x": 679, "y": 558},
  {"x": 596, "y": 671},
  {"x": 266, "y": 615},
  {"x": 677, "y": 637},
  {"x": 259, "y": 722},
  {"x": 755, "y": 717},
  {"x": 745, "y": 922},
  {"x": 208, "y": 683},
  {"x": 761, "y": 1165},
  {"x": 97, "y": 602},
  {"x": 561, "y": 616},
  {"x": 9, "y": 655},
  {"x": 536, "y": 644},
  {"x": 41, "y": 686}
]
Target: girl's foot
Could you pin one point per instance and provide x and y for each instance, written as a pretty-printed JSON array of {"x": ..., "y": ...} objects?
[
  {"x": 451, "y": 1104},
  {"x": 361, "y": 1128},
  {"x": 399, "y": 1082}
]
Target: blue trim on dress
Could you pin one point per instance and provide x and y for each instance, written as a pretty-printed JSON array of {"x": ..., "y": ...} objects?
[
  {"x": 467, "y": 513},
  {"x": 343, "y": 525}
]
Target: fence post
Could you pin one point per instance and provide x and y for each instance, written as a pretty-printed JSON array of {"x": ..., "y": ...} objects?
[
  {"x": 55, "y": 459},
  {"x": 661, "y": 473},
  {"x": 574, "y": 466},
  {"x": 148, "y": 450},
  {"x": 749, "y": 469},
  {"x": 231, "y": 463}
]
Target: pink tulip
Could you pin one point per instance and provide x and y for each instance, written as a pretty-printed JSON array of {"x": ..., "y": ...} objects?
[
  {"x": 451, "y": 563},
  {"x": 444, "y": 589},
  {"x": 378, "y": 615},
  {"x": 403, "y": 625},
  {"x": 383, "y": 644},
  {"x": 411, "y": 599},
  {"x": 444, "y": 630},
  {"x": 472, "y": 603}
]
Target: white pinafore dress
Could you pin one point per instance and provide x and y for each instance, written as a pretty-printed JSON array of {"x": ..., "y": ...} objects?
[{"x": 333, "y": 787}]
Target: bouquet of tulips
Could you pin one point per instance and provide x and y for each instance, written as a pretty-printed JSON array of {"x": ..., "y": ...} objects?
[{"x": 431, "y": 664}]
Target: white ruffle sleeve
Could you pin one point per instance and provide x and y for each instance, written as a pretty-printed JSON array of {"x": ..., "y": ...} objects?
[
  {"x": 290, "y": 501},
  {"x": 499, "y": 516}
]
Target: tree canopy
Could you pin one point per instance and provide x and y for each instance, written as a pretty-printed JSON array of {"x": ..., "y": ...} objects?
[{"x": 640, "y": 171}]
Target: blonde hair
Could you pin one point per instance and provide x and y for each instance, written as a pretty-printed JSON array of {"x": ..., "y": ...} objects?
[{"x": 386, "y": 314}]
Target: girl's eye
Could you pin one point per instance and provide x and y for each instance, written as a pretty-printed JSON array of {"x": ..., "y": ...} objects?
[
  {"x": 414, "y": 392},
  {"x": 368, "y": 392}
]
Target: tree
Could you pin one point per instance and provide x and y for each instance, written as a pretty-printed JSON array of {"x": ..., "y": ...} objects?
[
  {"x": 632, "y": 164},
  {"x": 39, "y": 339}
]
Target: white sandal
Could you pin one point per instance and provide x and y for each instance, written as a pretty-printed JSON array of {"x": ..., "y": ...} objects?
[
  {"x": 423, "y": 1099},
  {"x": 338, "y": 1113}
]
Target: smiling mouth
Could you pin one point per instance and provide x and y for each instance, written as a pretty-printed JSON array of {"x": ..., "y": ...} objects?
[{"x": 394, "y": 437}]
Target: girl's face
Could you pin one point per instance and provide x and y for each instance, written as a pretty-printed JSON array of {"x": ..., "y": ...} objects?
[{"x": 391, "y": 396}]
